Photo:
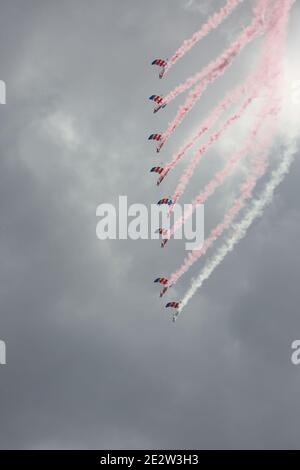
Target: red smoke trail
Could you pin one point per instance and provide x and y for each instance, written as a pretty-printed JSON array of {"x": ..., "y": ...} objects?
[
  {"x": 224, "y": 59},
  {"x": 221, "y": 175},
  {"x": 213, "y": 71},
  {"x": 247, "y": 188},
  {"x": 213, "y": 138},
  {"x": 212, "y": 23},
  {"x": 206, "y": 125},
  {"x": 260, "y": 162},
  {"x": 259, "y": 80},
  {"x": 268, "y": 69}
]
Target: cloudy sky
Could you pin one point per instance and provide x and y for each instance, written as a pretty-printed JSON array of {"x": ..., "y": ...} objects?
[{"x": 93, "y": 360}]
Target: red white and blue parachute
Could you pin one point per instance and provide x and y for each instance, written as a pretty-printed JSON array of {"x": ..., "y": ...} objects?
[
  {"x": 165, "y": 200},
  {"x": 156, "y": 137},
  {"x": 173, "y": 305},
  {"x": 157, "y": 169},
  {"x": 162, "y": 280},
  {"x": 162, "y": 231},
  {"x": 156, "y": 98},
  {"x": 161, "y": 63},
  {"x": 159, "y": 100},
  {"x": 162, "y": 177}
]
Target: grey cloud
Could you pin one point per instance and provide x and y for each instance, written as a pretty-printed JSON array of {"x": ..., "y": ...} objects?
[{"x": 92, "y": 358}]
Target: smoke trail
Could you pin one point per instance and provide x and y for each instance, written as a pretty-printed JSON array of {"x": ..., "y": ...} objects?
[
  {"x": 223, "y": 174},
  {"x": 269, "y": 68},
  {"x": 240, "y": 229},
  {"x": 228, "y": 55},
  {"x": 212, "y": 23},
  {"x": 184, "y": 179},
  {"x": 212, "y": 72},
  {"x": 259, "y": 168},
  {"x": 251, "y": 83},
  {"x": 206, "y": 125}
]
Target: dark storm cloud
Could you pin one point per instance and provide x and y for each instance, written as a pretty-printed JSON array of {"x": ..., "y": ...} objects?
[{"x": 93, "y": 360}]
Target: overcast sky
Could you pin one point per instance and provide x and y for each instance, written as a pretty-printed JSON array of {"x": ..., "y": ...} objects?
[{"x": 93, "y": 360}]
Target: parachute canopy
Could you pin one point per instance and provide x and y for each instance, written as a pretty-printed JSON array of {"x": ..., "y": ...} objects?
[
  {"x": 162, "y": 231},
  {"x": 159, "y": 62},
  {"x": 162, "y": 280},
  {"x": 173, "y": 305},
  {"x": 167, "y": 201},
  {"x": 157, "y": 169},
  {"x": 155, "y": 137},
  {"x": 159, "y": 100},
  {"x": 156, "y": 98}
]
